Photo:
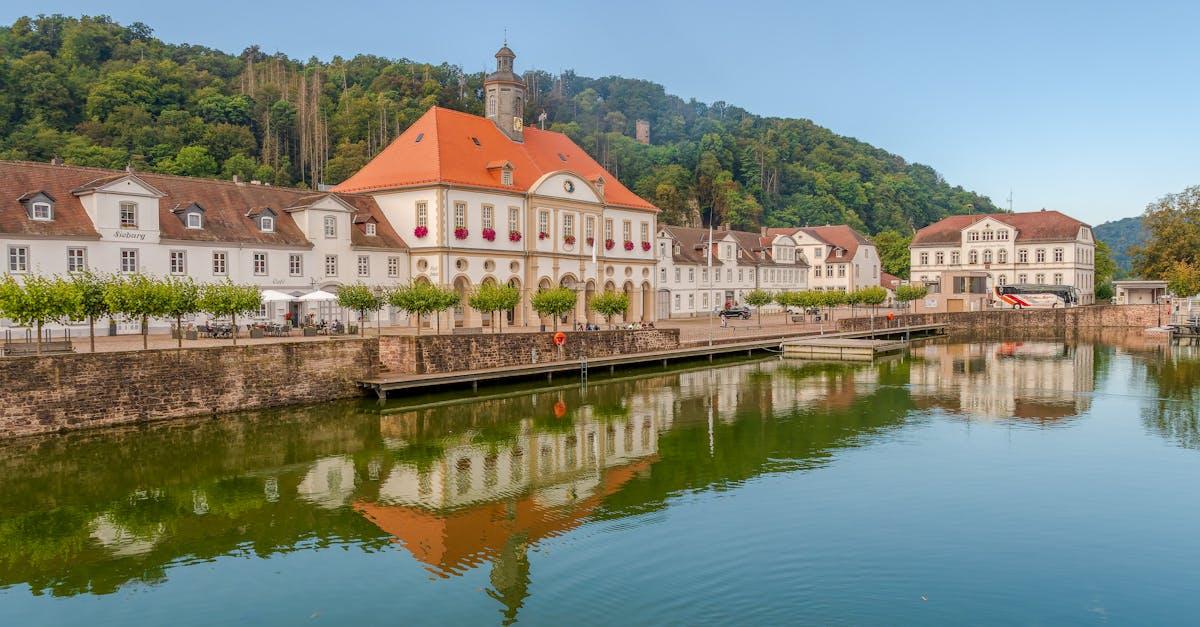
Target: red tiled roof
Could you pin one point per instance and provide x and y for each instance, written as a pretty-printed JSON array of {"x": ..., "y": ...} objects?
[
  {"x": 889, "y": 281},
  {"x": 756, "y": 249},
  {"x": 446, "y": 146},
  {"x": 1031, "y": 226},
  {"x": 228, "y": 206}
]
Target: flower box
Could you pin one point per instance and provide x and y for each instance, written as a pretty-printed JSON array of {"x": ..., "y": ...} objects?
[
  {"x": 543, "y": 235},
  {"x": 569, "y": 240},
  {"x": 461, "y": 233},
  {"x": 591, "y": 241},
  {"x": 488, "y": 234},
  {"x": 420, "y": 232},
  {"x": 646, "y": 246},
  {"x": 608, "y": 244},
  {"x": 514, "y": 236},
  {"x": 628, "y": 245}
]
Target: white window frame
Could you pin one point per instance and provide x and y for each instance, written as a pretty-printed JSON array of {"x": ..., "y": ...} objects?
[
  {"x": 199, "y": 224},
  {"x": 514, "y": 220},
  {"x": 126, "y": 255},
  {"x": 608, "y": 229},
  {"x": 81, "y": 257},
  {"x": 35, "y": 207},
  {"x": 331, "y": 265},
  {"x": 568, "y": 224},
  {"x": 364, "y": 265},
  {"x": 132, "y": 208},
  {"x": 487, "y": 217},
  {"x": 627, "y": 230},
  {"x": 393, "y": 267},
  {"x": 220, "y": 263},
  {"x": 423, "y": 214},
  {"x": 267, "y": 224},
  {"x": 177, "y": 262},
  {"x": 18, "y": 259},
  {"x": 544, "y": 222},
  {"x": 295, "y": 264},
  {"x": 330, "y": 223},
  {"x": 371, "y": 230},
  {"x": 460, "y": 215},
  {"x": 256, "y": 257}
]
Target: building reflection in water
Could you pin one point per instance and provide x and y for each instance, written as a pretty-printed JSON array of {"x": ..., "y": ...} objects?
[{"x": 1042, "y": 381}]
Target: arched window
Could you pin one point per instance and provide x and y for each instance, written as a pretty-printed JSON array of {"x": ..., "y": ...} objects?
[
  {"x": 491, "y": 107},
  {"x": 987, "y": 256}
]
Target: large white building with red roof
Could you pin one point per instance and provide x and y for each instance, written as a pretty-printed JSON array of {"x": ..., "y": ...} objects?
[
  {"x": 485, "y": 199},
  {"x": 841, "y": 258},
  {"x": 1031, "y": 248}
]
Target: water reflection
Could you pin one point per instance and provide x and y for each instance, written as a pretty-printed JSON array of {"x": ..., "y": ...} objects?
[{"x": 459, "y": 486}]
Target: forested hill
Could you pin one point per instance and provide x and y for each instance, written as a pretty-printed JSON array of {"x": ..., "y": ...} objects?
[
  {"x": 98, "y": 93},
  {"x": 1122, "y": 235}
]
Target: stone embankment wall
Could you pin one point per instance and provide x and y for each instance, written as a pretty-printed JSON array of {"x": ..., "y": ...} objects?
[
  {"x": 430, "y": 354},
  {"x": 1021, "y": 320},
  {"x": 83, "y": 390}
]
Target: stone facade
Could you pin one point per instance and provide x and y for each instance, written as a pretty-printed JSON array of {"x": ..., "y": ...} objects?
[
  {"x": 429, "y": 354},
  {"x": 83, "y": 390},
  {"x": 1021, "y": 320}
]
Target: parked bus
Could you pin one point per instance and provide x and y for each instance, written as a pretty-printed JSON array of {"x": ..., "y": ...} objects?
[{"x": 1026, "y": 296}]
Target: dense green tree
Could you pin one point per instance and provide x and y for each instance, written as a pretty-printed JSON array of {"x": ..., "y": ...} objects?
[
  {"x": 756, "y": 299},
  {"x": 893, "y": 252},
  {"x": 138, "y": 297},
  {"x": 360, "y": 298},
  {"x": 36, "y": 300},
  {"x": 230, "y": 299},
  {"x": 92, "y": 303},
  {"x": 1172, "y": 230},
  {"x": 609, "y": 304},
  {"x": 554, "y": 302}
]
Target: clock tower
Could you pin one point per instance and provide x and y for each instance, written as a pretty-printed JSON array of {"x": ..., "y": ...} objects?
[{"x": 504, "y": 96}]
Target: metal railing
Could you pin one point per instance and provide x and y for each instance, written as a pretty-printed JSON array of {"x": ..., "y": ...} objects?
[{"x": 26, "y": 342}]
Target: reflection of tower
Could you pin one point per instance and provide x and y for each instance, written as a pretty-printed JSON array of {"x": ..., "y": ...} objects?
[{"x": 510, "y": 576}]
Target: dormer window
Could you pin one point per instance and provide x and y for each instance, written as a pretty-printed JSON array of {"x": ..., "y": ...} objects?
[
  {"x": 195, "y": 221},
  {"x": 267, "y": 224},
  {"x": 506, "y": 176},
  {"x": 41, "y": 211},
  {"x": 371, "y": 228}
]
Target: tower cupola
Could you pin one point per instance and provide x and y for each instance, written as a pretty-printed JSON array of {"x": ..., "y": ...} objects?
[{"x": 504, "y": 96}]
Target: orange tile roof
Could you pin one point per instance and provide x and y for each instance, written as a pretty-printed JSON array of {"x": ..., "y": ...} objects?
[
  {"x": 1031, "y": 226},
  {"x": 447, "y": 146}
]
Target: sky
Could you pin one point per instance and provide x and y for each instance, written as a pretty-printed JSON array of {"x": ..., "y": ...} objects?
[{"x": 1092, "y": 108}]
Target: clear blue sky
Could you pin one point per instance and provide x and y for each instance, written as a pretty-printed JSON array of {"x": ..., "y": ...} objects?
[{"x": 1092, "y": 108}]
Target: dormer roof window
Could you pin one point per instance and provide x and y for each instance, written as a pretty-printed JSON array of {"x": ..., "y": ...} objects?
[
  {"x": 264, "y": 217},
  {"x": 195, "y": 220},
  {"x": 266, "y": 224},
  {"x": 192, "y": 215},
  {"x": 370, "y": 228},
  {"x": 506, "y": 170},
  {"x": 506, "y": 176},
  {"x": 40, "y": 205}
]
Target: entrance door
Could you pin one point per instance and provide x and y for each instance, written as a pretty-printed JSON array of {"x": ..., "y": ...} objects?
[
  {"x": 664, "y": 304},
  {"x": 954, "y": 305},
  {"x": 294, "y": 309}
]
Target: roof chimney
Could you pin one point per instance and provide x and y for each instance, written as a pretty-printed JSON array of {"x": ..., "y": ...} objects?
[
  {"x": 237, "y": 180},
  {"x": 763, "y": 231},
  {"x": 56, "y": 161}
]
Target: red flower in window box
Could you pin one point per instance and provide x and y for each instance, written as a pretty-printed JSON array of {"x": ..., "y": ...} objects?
[
  {"x": 420, "y": 232},
  {"x": 461, "y": 232},
  {"x": 569, "y": 240},
  {"x": 591, "y": 241},
  {"x": 543, "y": 235},
  {"x": 628, "y": 245},
  {"x": 488, "y": 234},
  {"x": 514, "y": 236},
  {"x": 646, "y": 246},
  {"x": 608, "y": 244}
]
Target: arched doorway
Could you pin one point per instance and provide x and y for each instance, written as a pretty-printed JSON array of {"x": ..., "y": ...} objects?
[
  {"x": 511, "y": 314},
  {"x": 589, "y": 292},
  {"x": 631, "y": 311},
  {"x": 423, "y": 321},
  {"x": 647, "y": 302},
  {"x": 462, "y": 287},
  {"x": 574, "y": 316},
  {"x": 544, "y": 284},
  {"x": 487, "y": 318}
]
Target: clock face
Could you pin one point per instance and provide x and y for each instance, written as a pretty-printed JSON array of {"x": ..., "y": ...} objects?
[
  {"x": 569, "y": 186},
  {"x": 518, "y": 124}
]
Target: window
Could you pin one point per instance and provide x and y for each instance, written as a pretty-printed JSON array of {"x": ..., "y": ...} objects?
[
  {"x": 18, "y": 259},
  {"x": 129, "y": 260},
  {"x": 741, "y": 275},
  {"x": 1023, "y": 256},
  {"x": 506, "y": 176},
  {"x": 331, "y": 265},
  {"x": 423, "y": 214},
  {"x": 1003, "y": 278},
  {"x": 818, "y": 252},
  {"x": 371, "y": 230},
  {"x": 973, "y": 257},
  {"x": 218, "y": 263},
  {"x": 1058, "y": 278},
  {"x": 939, "y": 258},
  {"x": 677, "y": 298},
  {"x": 1002, "y": 256},
  {"x": 260, "y": 263},
  {"x": 295, "y": 265},
  {"x": 544, "y": 222},
  {"x": 589, "y": 229},
  {"x": 393, "y": 267},
  {"x": 514, "y": 220},
  {"x": 677, "y": 273},
  {"x": 364, "y": 265},
  {"x": 76, "y": 259},
  {"x": 568, "y": 224},
  {"x": 488, "y": 215},
  {"x": 987, "y": 256},
  {"x": 704, "y": 299},
  {"x": 645, "y": 231},
  {"x": 691, "y": 275},
  {"x": 974, "y": 236},
  {"x": 989, "y": 236},
  {"x": 1039, "y": 278},
  {"x": 817, "y": 271},
  {"x": 267, "y": 225},
  {"x": 1022, "y": 278},
  {"x": 178, "y": 262},
  {"x": 841, "y": 270},
  {"x": 627, "y": 230},
  {"x": 1058, "y": 254},
  {"x": 1002, "y": 235},
  {"x": 41, "y": 211},
  {"x": 128, "y": 212},
  {"x": 330, "y": 227},
  {"x": 924, "y": 259},
  {"x": 460, "y": 215},
  {"x": 691, "y": 301},
  {"x": 195, "y": 220},
  {"x": 608, "y": 229},
  {"x": 1040, "y": 255},
  {"x": 704, "y": 275},
  {"x": 955, "y": 258}
]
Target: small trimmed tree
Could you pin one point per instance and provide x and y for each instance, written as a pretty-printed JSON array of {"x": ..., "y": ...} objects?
[
  {"x": 507, "y": 298},
  {"x": 422, "y": 299},
  {"x": 554, "y": 302},
  {"x": 757, "y": 298},
  {"x": 909, "y": 292},
  {"x": 785, "y": 300},
  {"x": 230, "y": 299},
  {"x": 484, "y": 301},
  {"x": 832, "y": 299},
  {"x": 361, "y": 299},
  {"x": 872, "y": 297},
  {"x": 37, "y": 300},
  {"x": 609, "y": 304},
  {"x": 183, "y": 299},
  {"x": 139, "y": 297},
  {"x": 92, "y": 304}
]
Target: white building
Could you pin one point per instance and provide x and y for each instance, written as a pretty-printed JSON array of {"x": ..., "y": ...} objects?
[
  {"x": 1033, "y": 248},
  {"x": 741, "y": 262},
  {"x": 841, "y": 258},
  {"x": 58, "y": 219},
  {"x": 484, "y": 199}
]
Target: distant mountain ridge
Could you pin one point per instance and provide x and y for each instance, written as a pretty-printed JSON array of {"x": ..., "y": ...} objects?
[{"x": 1121, "y": 235}]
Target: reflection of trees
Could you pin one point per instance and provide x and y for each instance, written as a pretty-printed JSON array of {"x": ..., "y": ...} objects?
[{"x": 1175, "y": 413}]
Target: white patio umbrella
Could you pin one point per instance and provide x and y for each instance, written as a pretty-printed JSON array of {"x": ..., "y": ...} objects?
[
  {"x": 272, "y": 296},
  {"x": 321, "y": 297}
]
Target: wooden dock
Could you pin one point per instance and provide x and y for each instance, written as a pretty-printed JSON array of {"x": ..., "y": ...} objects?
[
  {"x": 386, "y": 383},
  {"x": 841, "y": 348}
]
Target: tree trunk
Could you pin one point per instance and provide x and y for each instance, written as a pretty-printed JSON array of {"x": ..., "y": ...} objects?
[
  {"x": 362, "y": 318},
  {"x": 39, "y": 337},
  {"x": 233, "y": 317},
  {"x": 179, "y": 329},
  {"x": 92, "y": 331},
  {"x": 145, "y": 332}
]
